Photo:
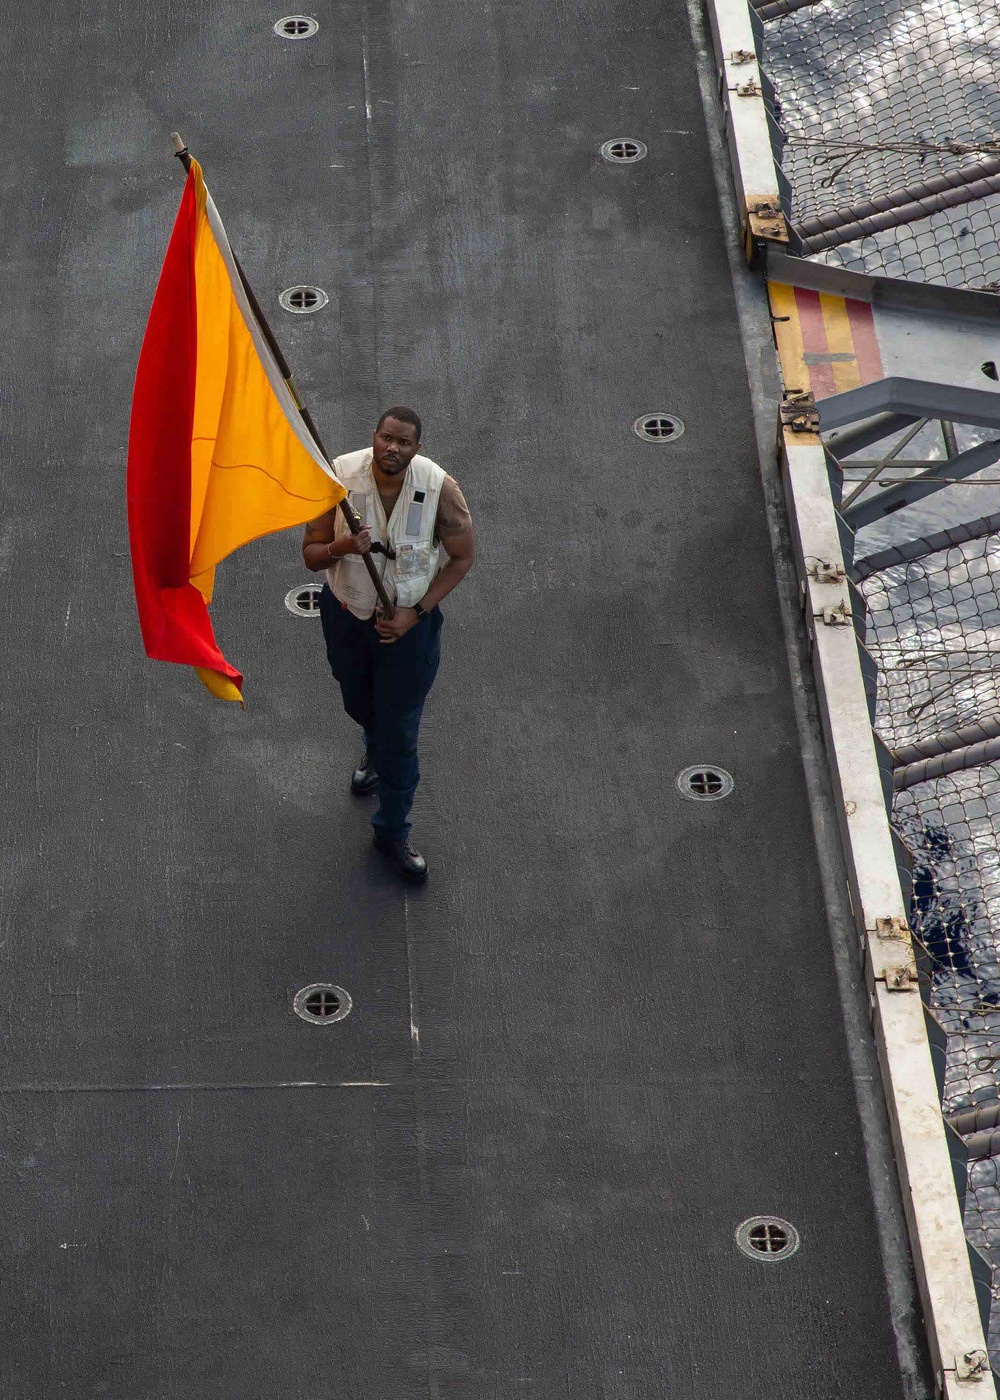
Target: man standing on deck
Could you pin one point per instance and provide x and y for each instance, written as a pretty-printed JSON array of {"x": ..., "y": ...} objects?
[{"x": 411, "y": 510}]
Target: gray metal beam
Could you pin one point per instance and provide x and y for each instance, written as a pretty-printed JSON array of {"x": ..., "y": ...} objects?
[
  {"x": 889, "y": 292},
  {"x": 965, "y": 464},
  {"x": 876, "y": 468},
  {"x": 856, "y": 439},
  {"x": 919, "y": 398},
  {"x": 913, "y": 464}
]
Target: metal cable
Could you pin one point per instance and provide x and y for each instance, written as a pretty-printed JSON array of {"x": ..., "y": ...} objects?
[
  {"x": 904, "y": 206},
  {"x": 913, "y": 550},
  {"x": 947, "y": 741},
  {"x": 938, "y": 767}
]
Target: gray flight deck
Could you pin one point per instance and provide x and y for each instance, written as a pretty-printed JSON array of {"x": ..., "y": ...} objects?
[{"x": 610, "y": 1028}]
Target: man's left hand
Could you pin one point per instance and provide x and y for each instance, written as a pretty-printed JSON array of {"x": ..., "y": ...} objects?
[{"x": 390, "y": 629}]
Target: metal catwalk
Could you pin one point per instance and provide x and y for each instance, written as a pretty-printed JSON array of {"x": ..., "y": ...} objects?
[{"x": 608, "y": 1030}]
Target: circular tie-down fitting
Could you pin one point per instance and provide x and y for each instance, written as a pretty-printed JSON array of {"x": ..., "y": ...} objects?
[
  {"x": 658, "y": 427},
  {"x": 704, "y": 782},
  {"x": 304, "y": 600},
  {"x": 623, "y": 150},
  {"x": 303, "y": 300},
  {"x": 321, "y": 1003},
  {"x": 767, "y": 1239},
  {"x": 296, "y": 27}
]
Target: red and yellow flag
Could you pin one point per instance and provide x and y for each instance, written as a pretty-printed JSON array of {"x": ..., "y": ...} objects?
[{"x": 218, "y": 451}]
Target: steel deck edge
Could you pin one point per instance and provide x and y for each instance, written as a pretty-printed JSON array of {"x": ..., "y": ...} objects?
[{"x": 936, "y": 1232}]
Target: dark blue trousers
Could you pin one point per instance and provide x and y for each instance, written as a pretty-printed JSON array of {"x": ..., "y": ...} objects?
[{"x": 384, "y": 689}]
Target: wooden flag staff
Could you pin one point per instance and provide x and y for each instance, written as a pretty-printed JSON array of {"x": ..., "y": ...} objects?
[{"x": 353, "y": 519}]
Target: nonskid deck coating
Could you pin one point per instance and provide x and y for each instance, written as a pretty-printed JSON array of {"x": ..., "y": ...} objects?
[{"x": 608, "y": 1030}]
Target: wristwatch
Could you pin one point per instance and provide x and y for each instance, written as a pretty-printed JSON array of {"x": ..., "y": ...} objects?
[{"x": 421, "y": 612}]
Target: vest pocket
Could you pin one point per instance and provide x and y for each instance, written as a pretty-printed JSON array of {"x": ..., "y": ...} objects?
[
  {"x": 352, "y": 577},
  {"x": 412, "y": 560}
]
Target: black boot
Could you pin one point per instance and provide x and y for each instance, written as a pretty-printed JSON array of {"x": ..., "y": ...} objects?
[
  {"x": 410, "y": 864},
  {"x": 364, "y": 779}
]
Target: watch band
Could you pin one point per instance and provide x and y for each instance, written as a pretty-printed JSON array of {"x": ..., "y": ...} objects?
[{"x": 420, "y": 611}]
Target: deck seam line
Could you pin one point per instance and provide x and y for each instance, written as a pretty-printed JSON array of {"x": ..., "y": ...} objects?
[{"x": 194, "y": 1087}]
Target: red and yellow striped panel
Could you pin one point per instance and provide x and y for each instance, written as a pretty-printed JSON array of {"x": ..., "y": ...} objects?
[{"x": 826, "y": 344}]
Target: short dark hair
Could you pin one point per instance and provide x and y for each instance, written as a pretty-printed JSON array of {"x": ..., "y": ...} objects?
[{"x": 404, "y": 415}]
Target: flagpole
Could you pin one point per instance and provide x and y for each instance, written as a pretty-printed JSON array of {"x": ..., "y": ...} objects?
[{"x": 353, "y": 519}]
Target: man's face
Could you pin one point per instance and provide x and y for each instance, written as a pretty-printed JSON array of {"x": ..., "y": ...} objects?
[{"x": 394, "y": 446}]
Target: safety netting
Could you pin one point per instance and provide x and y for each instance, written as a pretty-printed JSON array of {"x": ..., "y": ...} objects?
[
  {"x": 874, "y": 96},
  {"x": 933, "y": 630}
]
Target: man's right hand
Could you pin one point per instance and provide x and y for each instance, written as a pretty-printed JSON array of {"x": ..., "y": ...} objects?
[{"x": 360, "y": 543}]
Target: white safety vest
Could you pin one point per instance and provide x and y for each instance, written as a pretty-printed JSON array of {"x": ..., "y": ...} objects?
[{"x": 409, "y": 533}]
